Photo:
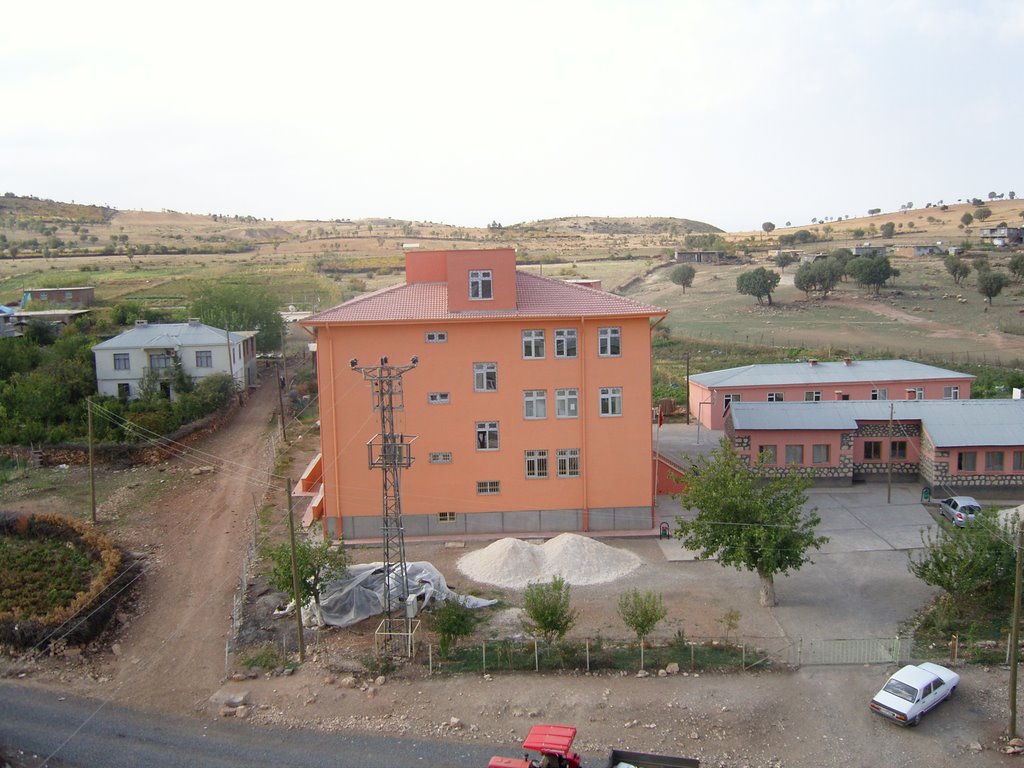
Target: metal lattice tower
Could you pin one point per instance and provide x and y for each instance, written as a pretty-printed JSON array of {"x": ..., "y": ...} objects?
[{"x": 391, "y": 452}]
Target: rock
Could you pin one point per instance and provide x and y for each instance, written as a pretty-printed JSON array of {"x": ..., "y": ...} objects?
[
  {"x": 672, "y": 668},
  {"x": 230, "y": 698},
  {"x": 662, "y": 673},
  {"x": 455, "y": 724},
  {"x": 329, "y": 680},
  {"x": 474, "y": 728},
  {"x": 348, "y": 682},
  {"x": 643, "y": 673},
  {"x": 348, "y": 665},
  {"x": 380, "y": 681},
  {"x": 242, "y": 711},
  {"x": 975, "y": 746},
  {"x": 116, "y": 649},
  {"x": 227, "y": 711},
  {"x": 288, "y": 671},
  {"x": 238, "y": 677},
  {"x": 371, "y": 693}
]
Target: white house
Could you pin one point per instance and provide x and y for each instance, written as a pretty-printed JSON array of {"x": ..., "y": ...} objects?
[{"x": 121, "y": 362}]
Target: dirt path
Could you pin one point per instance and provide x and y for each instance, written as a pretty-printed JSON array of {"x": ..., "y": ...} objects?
[{"x": 172, "y": 654}]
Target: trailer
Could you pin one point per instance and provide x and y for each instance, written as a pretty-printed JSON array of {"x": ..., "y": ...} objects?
[{"x": 554, "y": 744}]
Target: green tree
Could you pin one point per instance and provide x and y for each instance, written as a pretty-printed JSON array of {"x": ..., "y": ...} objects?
[
  {"x": 746, "y": 521},
  {"x": 768, "y": 227},
  {"x": 1017, "y": 266},
  {"x": 241, "y": 308},
  {"x": 872, "y": 271},
  {"x": 957, "y": 267},
  {"x": 783, "y": 260},
  {"x": 641, "y": 613},
  {"x": 683, "y": 275},
  {"x": 548, "y": 609},
  {"x": 991, "y": 284},
  {"x": 451, "y": 620},
  {"x": 758, "y": 283},
  {"x": 967, "y": 219},
  {"x": 887, "y": 229},
  {"x": 317, "y": 563},
  {"x": 40, "y": 332},
  {"x": 822, "y": 275},
  {"x": 974, "y": 564},
  {"x": 982, "y": 213}
]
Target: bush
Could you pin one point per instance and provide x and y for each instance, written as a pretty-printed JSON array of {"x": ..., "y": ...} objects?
[
  {"x": 452, "y": 620},
  {"x": 549, "y": 611}
]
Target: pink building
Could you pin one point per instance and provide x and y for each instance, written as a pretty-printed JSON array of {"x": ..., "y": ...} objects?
[
  {"x": 963, "y": 446},
  {"x": 530, "y": 403},
  {"x": 711, "y": 393}
]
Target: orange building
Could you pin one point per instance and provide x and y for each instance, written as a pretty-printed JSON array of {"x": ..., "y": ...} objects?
[{"x": 530, "y": 403}]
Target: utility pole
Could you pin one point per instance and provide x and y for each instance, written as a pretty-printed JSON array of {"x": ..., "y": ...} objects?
[
  {"x": 295, "y": 572},
  {"x": 280, "y": 402},
  {"x": 92, "y": 467},
  {"x": 391, "y": 453},
  {"x": 1011, "y": 728},
  {"x": 687, "y": 389}
]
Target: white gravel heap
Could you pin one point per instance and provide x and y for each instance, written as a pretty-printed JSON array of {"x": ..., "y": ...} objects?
[{"x": 514, "y": 563}]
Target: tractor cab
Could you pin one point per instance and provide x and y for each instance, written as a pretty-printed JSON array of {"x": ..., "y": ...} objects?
[{"x": 553, "y": 742}]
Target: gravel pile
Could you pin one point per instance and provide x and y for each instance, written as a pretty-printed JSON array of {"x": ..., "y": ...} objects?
[{"x": 514, "y": 563}]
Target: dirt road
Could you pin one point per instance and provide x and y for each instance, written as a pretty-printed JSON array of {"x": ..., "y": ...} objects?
[{"x": 172, "y": 654}]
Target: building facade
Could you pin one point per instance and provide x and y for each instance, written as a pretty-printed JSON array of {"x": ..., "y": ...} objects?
[
  {"x": 123, "y": 361},
  {"x": 79, "y": 296},
  {"x": 530, "y": 403},
  {"x": 711, "y": 394}
]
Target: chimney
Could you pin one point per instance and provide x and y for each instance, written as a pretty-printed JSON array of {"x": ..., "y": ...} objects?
[
  {"x": 839, "y": 394},
  {"x": 141, "y": 323},
  {"x": 193, "y": 321},
  {"x": 812, "y": 362},
  {"x": 847, "y": 361}
]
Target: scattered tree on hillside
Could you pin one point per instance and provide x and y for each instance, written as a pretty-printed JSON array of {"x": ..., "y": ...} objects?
[
  {"x": 982, "y": 213},
  {"x": 683, "y": 275},
  {"x": 872, "y": 271},
  {"x": 758, "y": 283},
  {"x": 1017, "y": 266},
  {"x": 991, "y": 284},
  {"x": 768, "y": 227},
  {"x": 887, "y": 229},
  {"x": 967, "y": 219},
  {"x": 641, "y": 613},
  {"x": 874, "y": 211},
  {"x": 822, "y": 276},
  {"x": 783, "y": 260},
  {"x": 746, "y": 521},
  {"x": 957, "y": 267}
]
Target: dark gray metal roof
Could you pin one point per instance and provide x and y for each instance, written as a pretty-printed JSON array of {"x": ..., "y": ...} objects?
[
  {"x": 777, "y": 374},
  {"x": 949, "y": 423}
]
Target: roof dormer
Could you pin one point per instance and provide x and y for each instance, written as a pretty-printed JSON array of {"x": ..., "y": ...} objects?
[{"x": 477, "y": 281}]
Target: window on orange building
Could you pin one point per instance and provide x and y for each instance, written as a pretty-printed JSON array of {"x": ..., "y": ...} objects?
[
  {"x": 967, "y": 461},
  {"x": 821, "y": 453},
  {"x": 533, "y": 345},
  {"x": 610, "y": 401},
  {"x": 565, "y": 342},
  {"x": 795, "y": 454},
  {"x": 568, "y": 462},
  {"x": 567, "y": 403},
  {"x": 485, "y": 377},
  {"x": 898, "y": 450},
  {"x": 873, "y": 450},
  {"x": 487, "y": 435},
  {"x": 609, "y": 342},
  {"x": 480, "y": 284},
  {"x": 994, "y": 461},
  {"x": 536, "y": 464},
  {"x": 535, "y": 404},
  {"x": 488, "y": 487},
  {"x": 768, "y": 454}
]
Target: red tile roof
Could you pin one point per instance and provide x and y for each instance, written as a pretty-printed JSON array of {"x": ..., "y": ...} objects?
[{"x": 536, "y": 297}]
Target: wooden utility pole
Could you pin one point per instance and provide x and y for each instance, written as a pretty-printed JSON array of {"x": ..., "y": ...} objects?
[
  {"x": 92, "y": 468},
  {"x": 687, "y": 388},
  {"x": 295, "y": 572},
  {"x": 1011, "y": 728},
  {"x": 888, "y": 493}
]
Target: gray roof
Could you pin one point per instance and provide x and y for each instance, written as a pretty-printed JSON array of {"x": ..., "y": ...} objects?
[
  {"x": 170, "y": 336},
  {"x": 780, "y": 374},
  {"x": 949, "y": 423}
]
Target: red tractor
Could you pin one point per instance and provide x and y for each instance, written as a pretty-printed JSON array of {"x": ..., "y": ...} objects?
[{"x": 554, "y": 742}]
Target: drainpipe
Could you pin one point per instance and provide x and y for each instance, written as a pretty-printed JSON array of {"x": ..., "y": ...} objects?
[
  {"x": 654, "y": 453},
  {"x": 584, "y": 450}
]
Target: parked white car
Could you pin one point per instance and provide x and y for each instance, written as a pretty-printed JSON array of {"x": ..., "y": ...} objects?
[
  {"x": 960, "y": 510},
  {"x": 913, "y": 691}
]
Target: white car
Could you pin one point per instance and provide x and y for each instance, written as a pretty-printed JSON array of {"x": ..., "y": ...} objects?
[{"x": 913, "y": 691}]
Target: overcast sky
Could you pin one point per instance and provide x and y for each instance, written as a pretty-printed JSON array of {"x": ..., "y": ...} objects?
[{"x": 732, "y": 113}]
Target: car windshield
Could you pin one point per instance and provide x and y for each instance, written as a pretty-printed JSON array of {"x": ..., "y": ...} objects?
[
  {"x": 902, "y": 690},
  {"x": 967, "y": 509}
]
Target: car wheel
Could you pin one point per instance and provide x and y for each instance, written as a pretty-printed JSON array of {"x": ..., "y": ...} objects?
[
  {"x": 951, "y": 692},
  {"x": 915, "y": 722}
]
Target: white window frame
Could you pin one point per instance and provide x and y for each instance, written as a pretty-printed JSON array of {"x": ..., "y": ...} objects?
[
  {"x": 568, "y": 461},
  {"x": 951, "y": 393},
  {"x": 446, "y": 517},
  {"x": 567, "y": 403},
  {"x": 435, "y": 337},
  {"x": 812, "y": 396},
  {"x": 439, "y": 457},
  {"x": 536, "y": 464},
  {"x": 609, "y": 341},
  {"x": 533, "y": 344},
  {"x": 481, "y": 285},
  {"x": 609, "y": 401},
  {"x": 535, "y": 404},
  {"x": 485, "y": 377},
  {"x": 776, "y": 397},
  {"x": 566, "y": 343},
  {"x": 166, "y": 361},
  {"x": 207, "y": 358},
  {"x": 881, "y": 393},
  {"x": 438, "y": 398},
  {"x": 488, "y": 436},
  {"x": 488, "y": 487},
  {"x": 122, "y": 357}
]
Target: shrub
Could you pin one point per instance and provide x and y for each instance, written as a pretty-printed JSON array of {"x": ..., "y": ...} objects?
[{"x": 548, "y": 610}]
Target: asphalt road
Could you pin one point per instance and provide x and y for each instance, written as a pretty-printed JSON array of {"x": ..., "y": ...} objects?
[{"x": 44, "y": 728}]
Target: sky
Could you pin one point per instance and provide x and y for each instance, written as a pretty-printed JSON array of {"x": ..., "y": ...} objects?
[{"x": 732, "y": 112}]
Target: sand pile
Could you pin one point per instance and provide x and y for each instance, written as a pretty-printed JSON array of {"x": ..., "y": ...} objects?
[{"x": 514, "y": 563}]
